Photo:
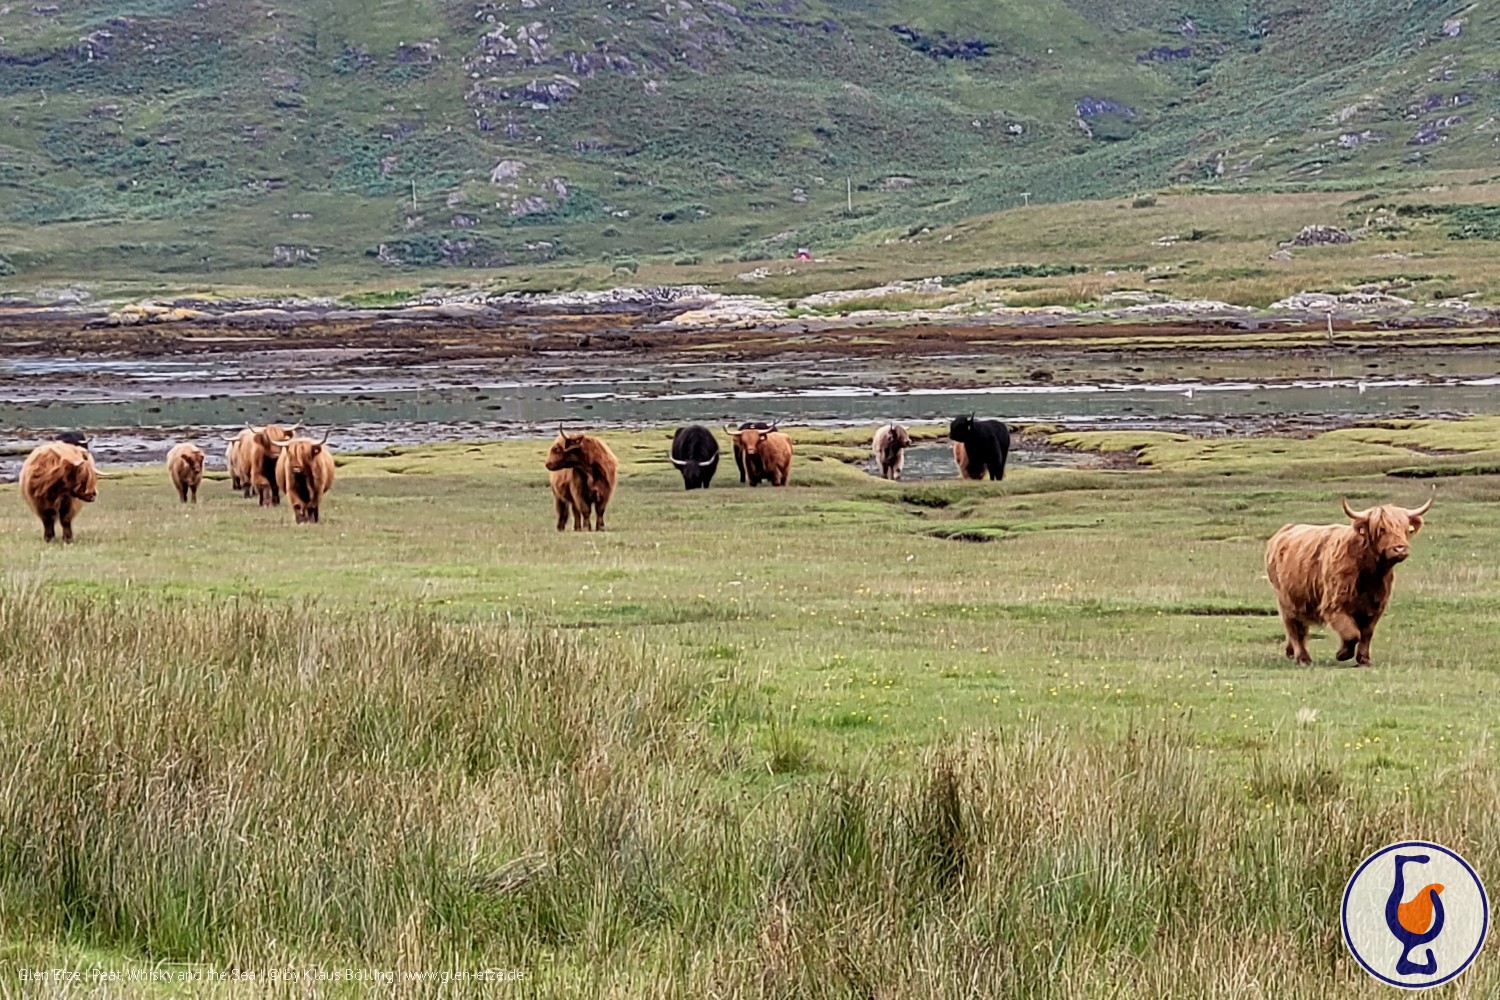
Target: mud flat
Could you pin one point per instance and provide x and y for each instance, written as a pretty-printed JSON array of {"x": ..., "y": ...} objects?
[{"x": 405, "y": 376}]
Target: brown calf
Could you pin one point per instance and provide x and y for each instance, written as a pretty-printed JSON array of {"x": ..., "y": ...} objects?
[
  {"x": 185, "y": 466},
  {"x": 304, "y": 472},
  {"x": 56, "y": 480},
  {"x": 1339, "y": 575},
  {"x": 767, "y": 454},
  {"x": 582, "y": 470}
]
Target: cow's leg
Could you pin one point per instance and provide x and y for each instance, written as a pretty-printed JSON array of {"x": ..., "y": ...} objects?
[
  {"x": 312, "y": 514},
  {"x": 1366, "y": 633},
  {"x": 599, "y": 506},
  {"x": 739, "y": 460},
  {"x": 580, "y": 518},
  {"x": 1296, "y": 638},
  {"x": 181, "y": 492},
  {"x": 65, "y": 518},
  {"x": 49, "y": 522},
  {"x": 1348, "y": 632},
  {"x": 194, "y": 491},
  {"x": 561, "y": 506}
]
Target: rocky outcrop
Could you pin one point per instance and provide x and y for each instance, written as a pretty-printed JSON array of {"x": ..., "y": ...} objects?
[
  {"x": 286, "y": 255},
  {"x": 1325, "y": 302},
  {"x": 1318, "y": 236},
  {"x": 941, "y": 45},
  {"x": 507, "y": 172}
]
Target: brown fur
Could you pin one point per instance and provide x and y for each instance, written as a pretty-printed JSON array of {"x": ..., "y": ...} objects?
[
  {"x": 304, "y": 472},
  {"x": 583, "y": 472},
  {"x": 767, "y": 455},
  {"x": 56, "y": 480},
  {"x": 234, "y": 460},
  {"x": 185, "y": 466},
  {"x": 259, "y": 453},
  {"x": 1339, "y": 575},
  {"x": 961, "y": 457},
  {"x": 890, "y": 445}
]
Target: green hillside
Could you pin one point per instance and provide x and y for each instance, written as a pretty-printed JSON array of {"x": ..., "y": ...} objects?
[{"x": 221, "y": 140}]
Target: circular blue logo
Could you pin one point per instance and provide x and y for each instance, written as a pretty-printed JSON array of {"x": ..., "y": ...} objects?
[{"x": 1415, "y": 915}]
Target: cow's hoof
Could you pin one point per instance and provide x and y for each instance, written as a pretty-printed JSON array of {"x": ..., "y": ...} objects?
[
  {"x": 1304, "y": 660},
  {"x": 1344, "y": 653},
  {"x": 1291, "y": 651},
  {"x": 1363, "y": 661}
]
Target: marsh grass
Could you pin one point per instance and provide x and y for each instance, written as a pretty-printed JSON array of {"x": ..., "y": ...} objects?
[
  {"x": 255, "y": 783},
  {"x": 748, "y": 743}
]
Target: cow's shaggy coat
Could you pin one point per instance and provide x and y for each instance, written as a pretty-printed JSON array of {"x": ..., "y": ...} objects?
[
  {"x": 56, "y": 480},
  {"x": 980, "y": 447},
  {"x": 260, "y": 453},
  {"x": 1339, "y": 575},
  {"x": 583, "y": 471},
  {"x": 304, "y": 473},
  {"x": 185, "y": 466},
  {"x": 695, "y": 453},
  {"x": 889, "y": 446},
  {"x": 766, "y": 454}
]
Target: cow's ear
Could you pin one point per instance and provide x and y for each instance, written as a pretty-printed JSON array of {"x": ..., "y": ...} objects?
[
  {"x": 1414, "y": 525},
  {"x": 1361, "y": 526},
  {"x": 315, "y": 449}
]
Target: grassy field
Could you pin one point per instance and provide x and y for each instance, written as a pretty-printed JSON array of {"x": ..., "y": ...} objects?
[{"x": 850, "y": 738}]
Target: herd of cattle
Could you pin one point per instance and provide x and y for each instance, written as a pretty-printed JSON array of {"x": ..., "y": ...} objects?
[
  {"x": 1339, "y": 575},
  {"x": 59, "y": 476}
]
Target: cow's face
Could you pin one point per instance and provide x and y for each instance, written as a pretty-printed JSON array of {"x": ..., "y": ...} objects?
[
  {"x": 903, "y": 439},
  {"x": 1388, "y": 529},
  {"x": 272, "y": 438},
  {"x": 567, "y": 452},
  {"x": 751, "y": 440},
  {"x": 962, "y": 428},
  {"x": 694, "y": 474},
  {"x": 301, "y": 454},
  {"x": 194, "y": 461},
  {"x": 82, "y": 480}
]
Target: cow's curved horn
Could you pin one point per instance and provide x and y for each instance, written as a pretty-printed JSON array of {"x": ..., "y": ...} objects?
[
  {"x": 680, "y": 462},
  {"x": 1419, "y": 511},
  {"x": 1353, "y": 514},
  {"x": 731, "y": 431},
  {"x": 710, "y": 461},
  {"x": 324, "y": 439},
  {"x": 229, "y": 437}
]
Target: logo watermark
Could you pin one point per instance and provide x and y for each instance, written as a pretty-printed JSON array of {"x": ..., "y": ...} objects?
[{"x": 1415, "y": 915}]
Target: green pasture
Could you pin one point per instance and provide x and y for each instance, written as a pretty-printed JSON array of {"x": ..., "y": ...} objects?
[{"x": 747, "y": 741}]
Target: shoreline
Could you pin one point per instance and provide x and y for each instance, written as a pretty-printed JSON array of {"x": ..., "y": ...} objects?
[{"x": 661, "y": 323}]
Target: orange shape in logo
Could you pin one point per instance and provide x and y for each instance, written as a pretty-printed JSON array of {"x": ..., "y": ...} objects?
[{"x": 1416, "y": 916}]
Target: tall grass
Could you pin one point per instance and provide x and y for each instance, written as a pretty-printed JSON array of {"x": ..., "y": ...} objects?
[{"x": 255, "y": 783}]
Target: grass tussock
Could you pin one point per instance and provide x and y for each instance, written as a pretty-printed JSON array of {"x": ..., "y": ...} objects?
[{"x": 250, "y": 783}]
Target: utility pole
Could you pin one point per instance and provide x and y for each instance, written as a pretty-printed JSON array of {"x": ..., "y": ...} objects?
[
  {"x": 413, "y": 194},
  {"x": 849, "y": 191},
  {"x": 1026, "y": 196}
]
